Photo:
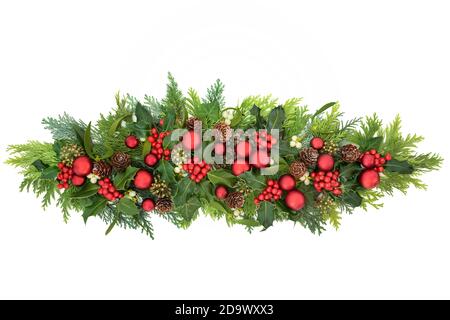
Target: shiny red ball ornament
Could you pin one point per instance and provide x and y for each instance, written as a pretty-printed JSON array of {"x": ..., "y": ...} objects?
[
  {"x": 316, "y": 143},
  {"x": 243, "y": 149},
  {"x": 369, "y": 179},
  {"x": 368, "y": 161},
  {"x": 82, "y": 166},
  {"x": 131, "y": 142},
  {"x": 239, "y": 168},
  {"x": 295, "y": 200},
  {"x": 221, "y": 192},
  {"x": 78, "y": 181},
  {"x": 143, "y": 179},
  {"x": 260, "y": 159},
  {"x": 191, "y": 140},
  {"x": 148, "y": 205},
  {"x": 151, "y": 160},
  {"x": 287, "y": 182},
  {"x": 325, "y": 162}
]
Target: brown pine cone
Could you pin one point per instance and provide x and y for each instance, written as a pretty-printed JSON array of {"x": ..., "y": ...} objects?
[
  {"x": 309, "y": 156},
  {"x": 192, "y": 121},
  {"x": 120, "y": 161},
  {"x": 350, "y": 153},
  {"x": 101, "y": 169},
  {"x": 224, "y": 130},
  {"x": 164, "y": 205},
  {"x": 235, "y": 200},
  {"x": 298, "y": 169}
]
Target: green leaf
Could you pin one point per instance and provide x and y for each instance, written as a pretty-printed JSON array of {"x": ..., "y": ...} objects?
[
  {"x": 373, "y": 143},
  {"x": 208, "y": 112},
  {"x": 256, "y": 112},
  {"x": 350, "y": 170},
  {"x": 189, "y": 208},
  {"x": 116, "y": 124},
  {"x": 276, "y": 118},
  {"x": 121, "y": 179},
  {"x": 265, "y": 214},
  {"x": 256, "y": 182},
  {"x": 165, "y": 169},
  {"x": 127, "y": 207},
  {"x": 323, "y": 109},
  {"x": 107, "y": 153},
  {"x": 79, "y": 133},
  {"x": 403, "y": 167},
  {"x": 39, "y": 165},
  {"x": 248, "y": 222},
  {"x": 50, "y": 173},
  {"x": 88, "y": 190},
  {"x": 98, "y": 206},
  {"x": 352, "y": 198},
  {"x": 222, "y": 177},
  {"x": 169, "y": 121},
  {"x": 183, "y": 189},
  {"x": 143, "y": 115},
  {"x": 146, "y": 148},
  {"x": 88, "y": 146}
]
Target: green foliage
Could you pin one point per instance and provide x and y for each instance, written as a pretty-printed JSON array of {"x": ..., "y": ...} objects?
[
  {"x": 214, "y": 94},
  {"x": 175, "y": 103},
  {"x": 297, "y": 118},
  {"x": 62, "y": 127}
]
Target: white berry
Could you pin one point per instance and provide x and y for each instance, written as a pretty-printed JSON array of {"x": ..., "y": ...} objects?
[
  {"x": 298, "y": 145},
  {"x": 227, "y": 122},
  {"x": 292, "y": 144}
]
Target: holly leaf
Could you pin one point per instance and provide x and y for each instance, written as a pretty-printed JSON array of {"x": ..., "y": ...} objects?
[
  {"x": 143, "y": 115},
  {"x": 256, "y": 112},
  {"x": 50, "y": 173},
  {"x": 121, "y": 179},
  {"x": 265, "y": 214},
  {"x": 276, "y": 118},
  {"x": 256, "y": 182},
  {"x": 116, "y": 124},
  {"x": 403, "y": 167},
  {"x": 98, "y": 206},
  {"x": 208, "y": 112},
  {"x": 350, "y": 170},
  {"x": 146, "y": 148},
  {"x": 352, "y": 198},
  {"x": 323, "y": 109},
  {"x": 222, "y": 177},
  {"x": 373, "y": 143},
  {"x": 183, "y": 189},
  {"x": 39, "y": 165},
  {"x": 88, "y": 190},
  {"x": 189, "y": 208},
  {"x": 127, "y": 207},
  {"x": 165, "y": 169},
  {"x": 88, "y": 146}
]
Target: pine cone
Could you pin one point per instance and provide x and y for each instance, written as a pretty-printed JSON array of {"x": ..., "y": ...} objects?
[
  {"x": 235, "y": 200},
  {"x": 192, "y": 121},
  {"x": 101, "y": 169},
  {"x": 298, "y": 169},
  {"x": 164, "y": 205},
  {"x": 160, "y": 189},
  {"x": 350, "y": 153},
  {"x": 309, "y": 156},
  {"x": 225, "y": 131},
  {"x": 120, "y": 161},
  {"x": 70, "y": 152},
  {"x": 329, "y": 147}
]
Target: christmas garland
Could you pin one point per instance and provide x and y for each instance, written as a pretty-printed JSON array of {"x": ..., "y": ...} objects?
[{"x": 160, "y": 158}]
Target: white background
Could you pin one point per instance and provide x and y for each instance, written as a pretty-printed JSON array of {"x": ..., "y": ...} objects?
[{"x": 388, "y": 56}]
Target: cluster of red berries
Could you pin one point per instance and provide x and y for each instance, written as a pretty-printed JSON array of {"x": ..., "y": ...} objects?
[
  {"x": 264, "y": 140},
  {"x": 327, "y": 180},
  {"x": 64, "y": 176},
  {"x": 373, "y": 160},
  {"x": 197, "y": 169},
  {"x": 156, "y": 139},
  {"x": 272, "y": 192},
  {"x": 108, "y": 190}
]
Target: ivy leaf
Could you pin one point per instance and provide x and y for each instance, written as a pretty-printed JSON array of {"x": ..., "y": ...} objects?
[
  {"x": 183, "y": 189},
  {"x": 88, "y": 146},
  {"x": 265, "y": 214},
  {"x": 323, "y": 109},
  {"x": 352, "y": 198},
  {"x": 127, "y": 207},
  {"x": 88, "y": 190},
  {"x": 165, "y": 169},
  {"x": 248, "y": 222},
  {"x": 97, "y": 207},
  {"x": 276, "y": 118},
  {"x": 403, "y": 167},
  {"x": 50, "y": 173},
  {"x": 256, "y": 112},
  {"x": 222, "y": 177},
  {"x": 257, "y": 183},
  {"x": 39, "y": 165},
  {"x": 189, "y": 208},
  {"x": 121, "y": 179}
]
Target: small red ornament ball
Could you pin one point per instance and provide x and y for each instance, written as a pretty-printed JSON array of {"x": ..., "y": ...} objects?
[
  {"x": 221, "y": 192},
  {"x": 287, "y": 182},
  {"x": 243, "y": 149},
  {"x": 131, "y": 142},
  {"x": 260, "y": 159},
  {"x": 295, "y": 200},
  {"x": 368, "y": 161},
  {"x": 239, "y": 168},
  {"x": 148, "y": 205},
  {"x": 143, "y": 179},
  {"x": 82, "y": 166},
  {"x": 150, "y": 159},
  {"x": 316, "y": 143},
  {"x": 191, "y": 140},
  {"x": 219, "y": 149},
  {"x": 325, "y": 162},
  {"x": 78, "y": 181},
  {"x": 369, "y": 179}
]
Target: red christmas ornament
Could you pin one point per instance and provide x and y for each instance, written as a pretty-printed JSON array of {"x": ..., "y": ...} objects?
[
  {"x": 78, "y": 181},
  {"x": 325, "y": 162},
  {"x": 82, "y": 166},
  {"x": 295, "y": 200},
  {"x": 287, "y": 182},
  {"x": 368, "y": 161},
  {"x": 369, "y": 179},
  {"x": 243, "y": 149},
  {"x": 150, "y": 160},
  {"x": 221, "y": 192},
  {"x": 131, "y": 142},
  {"x": 219, "y": 149},
  {"x": 143, "y": 179},
  {"x": 239, "y": 168},
  {"x": 148, "y": 205},
  {"x": 260, "y": 159},
  {"x": 191, "y": 140},
  {"x": 316, "y": 143}
]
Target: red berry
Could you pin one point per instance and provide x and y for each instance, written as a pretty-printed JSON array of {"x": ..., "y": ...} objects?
[
  {"x": 77, "y": 180},
  {"x": 266, "y": 197},
  {"x": 161, "y": 122},
  {"x": 373, "y": 151},
  {"x": 148, "y": 205},
  {"x": 377, "y": 156},
  {"x": 204, "y": 171},
  {"x": 60, "y": 186},
  {"x": 337, "y": 192},
  {"x": 243, "y": 149},
  {"x": 261, "y": 197},
  {"x": 287, "y": 182},
  {"x": 154, "y": 131},
  {"x": 317, "y": 143},
  {"x": 151, "y": 139},
  {"x": 131, "y": 142},
  {"x": 221, "y": 192},
  {"x": 368, "y": 161},
  {"x": 100, "y": 191},
  {"x": 260, "y": 159},
  {"x": 270, "y": 182},
  {"x": 150, "y": 159},
  {"x": 388, "y": 157},
  {"x": 256, "y": 201},
  {"x": 239, "y": 168}
]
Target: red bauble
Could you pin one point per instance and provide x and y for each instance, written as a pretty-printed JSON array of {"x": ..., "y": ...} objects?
[
  {"x": 150, "y": 159},
  {"x": 78, "y": 181},
  {"x": 221, "y": 192},
  {"x": 148, "y": 205},
  {"x": 260, "y": 159},
  {"x": 131, "y": 142},
  {"x": 243, "y": 149},
  {"x": 325, "y": 162},
  {"x": 143, "y": 179},
  {"x": 368, "y": 161},
  {"x": 316, "y": 143},
  {"x": 82, "y": 166},
  {"x": 239, "y": 168},
  {"x": 295, "y": 200},
  {"x": 191, "y": 140},
  {"x": 219, "y": 149},
  {"x": 287, "y": 182},
  {"x": 369, "y": 179}
]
